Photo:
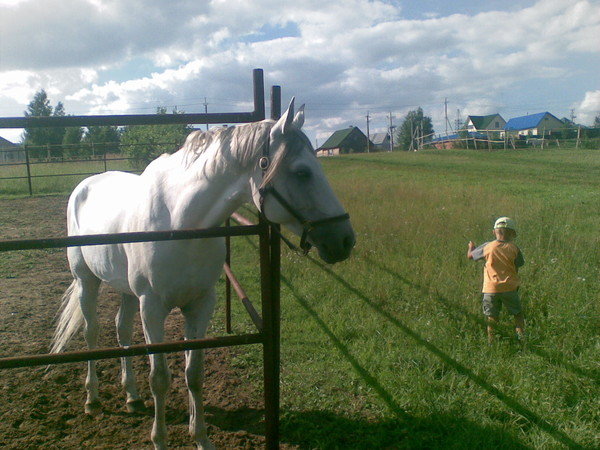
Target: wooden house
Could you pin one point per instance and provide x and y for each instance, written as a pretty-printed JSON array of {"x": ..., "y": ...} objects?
[
  {"x": 483, "y": 124},
  {"x": 348, "y": 140},
  {"x": 540, "y": 124},
  {"x": 381, "y": 142}
]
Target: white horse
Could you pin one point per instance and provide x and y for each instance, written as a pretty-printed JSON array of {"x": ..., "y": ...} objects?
[{"x": 200, "y": 186}]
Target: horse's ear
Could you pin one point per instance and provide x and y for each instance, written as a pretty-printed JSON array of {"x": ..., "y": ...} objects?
[
  {"x": 299, "y": 118},
  {"x": 284, "y": 123}
]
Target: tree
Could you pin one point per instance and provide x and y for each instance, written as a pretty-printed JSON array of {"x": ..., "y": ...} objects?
[
  {"x": 597, "y": 121},
  {"x": 72, "y": 141},
  {"x": 143, "y": 143},
  {"x": 413, "y": 126},
  {"x": 100, "y": 140},
  {"x": 46, "y": 141}
]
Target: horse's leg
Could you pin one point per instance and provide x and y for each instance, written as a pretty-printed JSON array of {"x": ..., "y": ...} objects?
[
  {"x": 153, "y": 319},
  {"x": 88, "y": 300},
  {"x": 197, "y": 317},
  {"x": 124, "y": 323}
]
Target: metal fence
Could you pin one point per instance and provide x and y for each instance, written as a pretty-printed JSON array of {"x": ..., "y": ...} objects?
[
  {"x": 267, "y": 324},
  {"x": 99, "y": 159}
]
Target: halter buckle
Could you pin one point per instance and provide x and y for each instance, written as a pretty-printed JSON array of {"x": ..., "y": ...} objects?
[{"x": 264, "y": 162}]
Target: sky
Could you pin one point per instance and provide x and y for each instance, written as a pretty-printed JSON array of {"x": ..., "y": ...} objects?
[{"x": 343, "y": 59}]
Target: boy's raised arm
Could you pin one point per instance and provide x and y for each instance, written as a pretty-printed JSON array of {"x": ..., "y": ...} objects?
[{"x": 471, "y": 247}]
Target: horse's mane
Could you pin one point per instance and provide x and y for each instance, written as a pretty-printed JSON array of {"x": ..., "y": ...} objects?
[{"x": 238, "y": 148}]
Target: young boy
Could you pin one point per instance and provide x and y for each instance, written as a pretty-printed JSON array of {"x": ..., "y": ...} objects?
[{"x": 500, "y": 278}]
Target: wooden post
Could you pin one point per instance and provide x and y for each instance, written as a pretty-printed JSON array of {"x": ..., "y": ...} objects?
[{"x": 578, "y": 137}]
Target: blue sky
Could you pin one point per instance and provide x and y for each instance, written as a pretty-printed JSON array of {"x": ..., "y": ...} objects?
[{"x": 343, "y": 59}]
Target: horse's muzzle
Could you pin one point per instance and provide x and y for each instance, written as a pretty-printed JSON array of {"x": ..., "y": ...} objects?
[{"x": 334, "y": 241}]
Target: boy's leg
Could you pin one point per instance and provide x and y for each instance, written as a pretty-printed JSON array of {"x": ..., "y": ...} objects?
[
  {"x": 520, "y": 325},
  {"x": 491, "y": 328},
  {"x": 513, "y": 305},
  {"x": 491, "y": 309}
]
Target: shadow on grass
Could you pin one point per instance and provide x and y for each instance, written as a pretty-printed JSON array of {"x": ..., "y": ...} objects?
[
  {"x": 324, "y": 430},
  {"x": 452, "y": 308},
  {"x": 327, "y": 430},
  {"x": 449, "y": 361}
]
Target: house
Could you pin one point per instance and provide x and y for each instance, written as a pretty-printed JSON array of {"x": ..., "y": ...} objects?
[
  {"x": 492, "y": 122},
  {"x": 381, "y": 142},
  {"x": 10, "y": 152},
  {"x": 348, "y": 140},
  {"x": 540, "y": 124}
]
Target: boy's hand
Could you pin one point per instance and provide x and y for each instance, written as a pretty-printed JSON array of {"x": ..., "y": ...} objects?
[{"x": 471, "y": 247}]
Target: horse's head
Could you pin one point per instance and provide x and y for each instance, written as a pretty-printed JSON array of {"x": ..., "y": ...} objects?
[{"x": 295, "y": 193}]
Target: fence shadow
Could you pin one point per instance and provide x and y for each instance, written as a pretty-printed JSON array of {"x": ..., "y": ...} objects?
[
  {"x": 452, "y": 308},
  {"x": 510, "y": 402},
  {"x": 325, "y": 430}
]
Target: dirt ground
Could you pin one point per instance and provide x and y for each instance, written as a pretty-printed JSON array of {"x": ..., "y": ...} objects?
[{"x": 43, "y": 407}]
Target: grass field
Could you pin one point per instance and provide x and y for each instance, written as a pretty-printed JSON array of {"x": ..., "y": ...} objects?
[
  {"x": 47, "y": 177},
  {"x": 388, "y": 349}
]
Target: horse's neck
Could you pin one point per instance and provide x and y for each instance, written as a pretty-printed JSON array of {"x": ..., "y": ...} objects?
[{"x": 191, "y": 200}]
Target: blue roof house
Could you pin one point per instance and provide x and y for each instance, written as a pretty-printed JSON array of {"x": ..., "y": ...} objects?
[{"x": 540, "y": 124}]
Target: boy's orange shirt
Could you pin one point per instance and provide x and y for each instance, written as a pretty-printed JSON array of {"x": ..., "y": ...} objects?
[{"x": 500, "y": 270}]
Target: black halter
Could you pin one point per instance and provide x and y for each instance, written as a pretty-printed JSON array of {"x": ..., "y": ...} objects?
[{"x": 307, "y": 225}]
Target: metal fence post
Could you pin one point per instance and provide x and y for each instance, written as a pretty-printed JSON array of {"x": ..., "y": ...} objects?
[
  {"x": 227, "y": 281},
  {"x": 270, "y": 257},
  {"x": 27, "y": 163}
]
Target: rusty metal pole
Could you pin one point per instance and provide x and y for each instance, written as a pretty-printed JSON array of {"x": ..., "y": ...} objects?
[
  {"x": 270, "y": 254},
  {"x": 227, "y": 281}
]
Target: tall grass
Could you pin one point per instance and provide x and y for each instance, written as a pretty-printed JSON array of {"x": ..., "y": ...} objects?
[{"x": 388, "y": 349}]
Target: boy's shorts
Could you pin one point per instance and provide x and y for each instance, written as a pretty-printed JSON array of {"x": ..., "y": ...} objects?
[{"x": 492, "y": 303}]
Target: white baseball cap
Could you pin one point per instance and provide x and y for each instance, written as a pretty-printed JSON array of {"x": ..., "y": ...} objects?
[{"x": 505, "y": 222}]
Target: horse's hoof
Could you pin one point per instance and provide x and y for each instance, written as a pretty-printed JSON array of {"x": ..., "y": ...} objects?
[
  {"x": 93, "y": 408},
  {"x": 136, "y": 407},
  {"x": 206, "y": 445}
]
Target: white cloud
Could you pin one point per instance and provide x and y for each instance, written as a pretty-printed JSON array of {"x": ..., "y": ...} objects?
[
  {"x": 589, "y": 108},
  {"x": 343, "y": 59}
]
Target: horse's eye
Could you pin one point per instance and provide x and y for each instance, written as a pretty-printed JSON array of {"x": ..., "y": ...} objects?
[{"x": 303, "y": 174}]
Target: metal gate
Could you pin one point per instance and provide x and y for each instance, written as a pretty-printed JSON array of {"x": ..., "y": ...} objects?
[{"x": 267, "y": 322}]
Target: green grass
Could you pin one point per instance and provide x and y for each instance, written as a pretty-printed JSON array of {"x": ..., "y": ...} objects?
[
  {"x": 48, "y": 178},
  {"x": 388, "y": 349}
]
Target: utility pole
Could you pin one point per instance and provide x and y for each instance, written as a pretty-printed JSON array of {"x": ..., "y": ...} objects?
[
  {"x": 391, "y": 133},
  {"x": 446, "y": 114},
  {"x": 573, "y": 116},
  {"x": 458, "y": 124},
  {"x": 206, "y": 110},
  {"x": 368, "y": 134}
]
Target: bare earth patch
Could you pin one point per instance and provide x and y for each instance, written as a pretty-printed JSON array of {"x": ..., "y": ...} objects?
[{"x": 43, "y": 407}]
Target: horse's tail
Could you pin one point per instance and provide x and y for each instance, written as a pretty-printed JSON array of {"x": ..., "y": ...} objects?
[{"x": 70, "y": 318}]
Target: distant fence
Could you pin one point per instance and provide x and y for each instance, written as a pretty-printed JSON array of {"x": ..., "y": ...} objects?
[
  {"x": 498, "y": 139},
  {"x": 89, "y": 154}
]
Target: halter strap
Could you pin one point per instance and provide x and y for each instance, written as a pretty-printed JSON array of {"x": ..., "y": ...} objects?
[{"x": 307, "y": 225}]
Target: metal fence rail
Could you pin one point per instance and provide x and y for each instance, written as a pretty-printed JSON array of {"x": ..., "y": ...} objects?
[{"x": 269, "y": 248}]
